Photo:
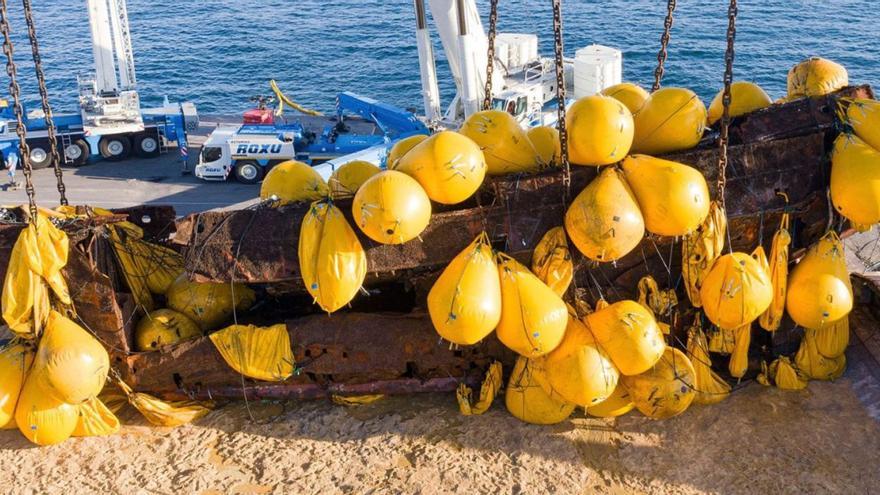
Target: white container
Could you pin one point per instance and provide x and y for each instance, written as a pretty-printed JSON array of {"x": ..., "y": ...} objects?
[
  {"x": 596, "y": 67},
  {"x": 516, "y": 50}
]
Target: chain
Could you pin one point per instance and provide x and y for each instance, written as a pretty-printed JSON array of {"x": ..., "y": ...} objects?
[
  {"x": 664, "y": 42},
  {"x": 44, "y": 97},
  {"x": 20, "y": 129},
  {"x": 490, "y": 59},
  {"x": 560, "y": 98},
  {"x": 725, "y": 100}
]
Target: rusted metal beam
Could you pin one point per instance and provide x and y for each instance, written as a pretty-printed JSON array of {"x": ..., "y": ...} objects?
[{"x": 402, "y": 350}]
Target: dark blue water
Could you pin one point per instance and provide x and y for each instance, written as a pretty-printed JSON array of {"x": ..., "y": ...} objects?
[{"x": 217, "y": 53}]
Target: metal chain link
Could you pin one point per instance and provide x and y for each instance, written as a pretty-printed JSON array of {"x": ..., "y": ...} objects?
[
  {"x": 490, "y": 58},
  {"x": 20, "y": 129},
  {"x": 725, "y": 100},
  {"x": 44, "y": 97},
  {"x": 664, "y": 42},
  {"x": 560, "y": 98}
]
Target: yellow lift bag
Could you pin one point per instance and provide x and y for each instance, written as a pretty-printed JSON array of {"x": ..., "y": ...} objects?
[
  {"x": 15, "y": 362},
  {"x": 449, "y": 166},
  {"x": 95, "y": 420},
  {"x": 465, "y": 301},
  {"x": 815, "y": 76},
  {"x": 533, "y": 317},
  {"x": 819, "y": 289},
  {"x": 391, "y": 207},
  {"x": 551, "y": 261},
  {"x": 710, "y": 388},
  {"x": 673, "y": 197},
  {"x": 506, "y": 146},
  {"x": 772, "y": 318},
  {"x": 864, "y": 117},
  {"x": 528, "y": 402},
  {"x": 700, "y": 249},
  {"x": 855, "y": 180},
  {"x": 35, "y": 264},
  {"x": 618, "y": 404},
  {"x": 600, "y": 130},
  {"x": 332, "y": 261},
  {"x": 578, "y": 371},
  {"x": 745, "y": 97},
  {"x": 261, "y": 353},
  {"x": 163, "y": 327},
  {"x": 347, "y": 179},
  {"x": 672, "y": 119},
  {"x": 604, "y": 220},
  {"x": 162, "y": 413},
  {"x": 832, "y": 339},
  {"x": 739, "y": 357},
  {"x": 631, "y": 95},
  {"x": 736, "y": 290},
  {"x": 41, "y": 417},
  {"x": 401, "y": 148},
  {"x": 629, "y": 334},
  {"x": 816, "y": 366},
  {"x": 545, "y": 139},
  {"x": 666, "y": 389},
  {"x": 292, "y": 182},
  {"x": 209, "y": 304},
  {"x": 488, "y": 390},
  {"x": 783, "y": 374}
]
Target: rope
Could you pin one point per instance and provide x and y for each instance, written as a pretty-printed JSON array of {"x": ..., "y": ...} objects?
[
  {"x": 20, "y": 128},
  {"x": 44, "y": 99},
  {"x": 664, "y": 43},
  {"x": 490, "y": 54},
  {"x": 725, "y": 99}
]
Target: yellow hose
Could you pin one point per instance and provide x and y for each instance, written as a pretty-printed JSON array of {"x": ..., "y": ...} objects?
[{"x": 284, "y": 100}]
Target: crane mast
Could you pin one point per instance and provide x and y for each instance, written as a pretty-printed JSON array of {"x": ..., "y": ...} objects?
[{"x": 109, "y": 100}]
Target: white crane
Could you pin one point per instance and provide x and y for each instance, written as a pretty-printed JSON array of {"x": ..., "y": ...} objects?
[{"x": 109, "y": 100}]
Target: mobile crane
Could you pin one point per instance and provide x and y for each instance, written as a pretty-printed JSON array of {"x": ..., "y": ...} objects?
[{"x": 111, "y": 123}]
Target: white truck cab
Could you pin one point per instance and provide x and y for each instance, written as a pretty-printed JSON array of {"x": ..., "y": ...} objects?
[{"x": 246, "y": 151}]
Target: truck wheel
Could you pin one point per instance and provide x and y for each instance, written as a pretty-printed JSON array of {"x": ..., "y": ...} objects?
[
  {"x": 77, "y": 153},
  {"x": 114, "y": 148},
  {"x": 40, "y": 157},
  {"x": 248, "y": 172},
  {"x": 146, "y": 145}
]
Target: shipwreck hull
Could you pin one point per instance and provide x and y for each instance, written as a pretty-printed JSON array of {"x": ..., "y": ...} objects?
[{"x": 385, "y": 343}]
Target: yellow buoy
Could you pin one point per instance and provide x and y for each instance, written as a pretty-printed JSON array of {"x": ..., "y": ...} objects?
[
  {"x": 391, "y": 208},
  {"x": 604, "y": 220},
  {"x": 631, "y": 95},
  {"x": 665, "y": 390},
  {"x": 528, "y": 402},
  {"x": 600, "y": 130},
  {"x": 545, "y": 139},
  {"x": 551, "y": 261},
  {"x": 864, "y": 117},
  {"x": 618, "y": 404},
  {"x": 745, "y": 97},
  {"x": 293, "y": 181},
  {"x": 673, "y": 197},
  {"x": 70, "y": 364},
  {"x": 15, "y": 362},
  {"x": 163, "y": 327},
  {"x": 629, "y": 334},
  {"x": 533, "y": 317},
  {"x": 209, "y": 304},
  {"x": 346, "y": 180},
  {"x": 577, "y": 371},
  {"x": 736, "y": 291},
  {"x": 41, "y": 417},
  {"x": 816, "y": 76},
  {"x": 819, "y": 289},
  {"x": 855, "y": 180},
  {"x": 401, "y": 148},
  {"x": 449, "y": 166},
  {"x": 465, "y": 301},
  {"x": 332, "y": 261},
  {"x": 505, "y": 144},
  {"x": 672, "y": 119}
]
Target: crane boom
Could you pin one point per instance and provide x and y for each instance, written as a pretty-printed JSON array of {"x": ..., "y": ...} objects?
[
  {"x": 102, "y": 46},
  {"x": 122, "y": 43}
]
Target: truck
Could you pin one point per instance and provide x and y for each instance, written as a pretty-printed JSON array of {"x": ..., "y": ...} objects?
[
  {"x": 247, "y": 151},
  {"x": 110, "y": 123}
]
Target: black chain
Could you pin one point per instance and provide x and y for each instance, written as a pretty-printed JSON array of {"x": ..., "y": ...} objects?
[
  {"x": 44, "y": 97},
  {"x": 725, "y": 100},
  {"x": 664, "y": 42},
  {"x": 490, "y": 58},
  {"x": 20, "y": 129},
  {"x": 560, "y": 98}
]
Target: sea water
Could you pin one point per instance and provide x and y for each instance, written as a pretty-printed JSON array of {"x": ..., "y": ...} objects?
[{"x": 218, "y": 53}]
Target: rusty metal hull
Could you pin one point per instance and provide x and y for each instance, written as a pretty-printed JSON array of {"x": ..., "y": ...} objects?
[{"x": 369, "y": 350}]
